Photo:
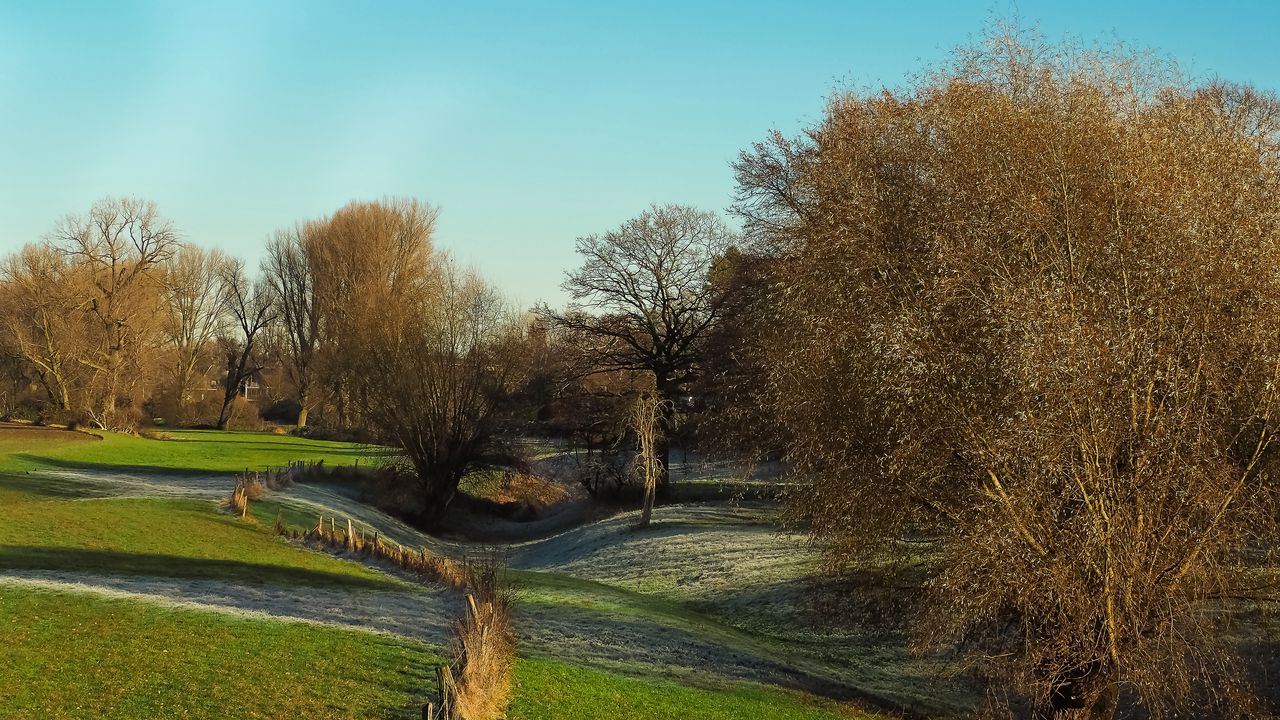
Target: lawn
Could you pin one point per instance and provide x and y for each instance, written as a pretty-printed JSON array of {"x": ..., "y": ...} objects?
[
  {"x": 46, "y": 528},
  {"x": 83, "y": 655},
  {"x": 200, "y": 451},
  {"x": 550, "y": 690},
  {"x": 174, "y": 538},
  {"x": 73, "y": 655}
]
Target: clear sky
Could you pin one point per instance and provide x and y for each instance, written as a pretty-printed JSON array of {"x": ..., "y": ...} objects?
[{"x": 528, "y": 123}]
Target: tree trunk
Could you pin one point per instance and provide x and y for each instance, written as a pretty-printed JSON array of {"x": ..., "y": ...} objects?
[
  {"x": 1104, "y": 708},
  {"x": 669, "y": 394},
  {"x": 439, "y": 488},
  {"x": 340, "y": 405},
  {"x": 650, "y": 492},
  {"x": 302, "y": 408},
  {"x": 229, "y": 387},
  {"x": 1085, "y": 698},
  {"x": 662, "y": 457}
]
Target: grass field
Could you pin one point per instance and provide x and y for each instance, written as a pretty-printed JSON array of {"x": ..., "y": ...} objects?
[
  {"x": 176, "y": 538},
  {"x": 79, "y": 654},
  {"x": 199, "y": 451},
  {"x": 70, "y": 655},
  {"x": 47, "y": 527},
  {"x": 547, "y": 690}
]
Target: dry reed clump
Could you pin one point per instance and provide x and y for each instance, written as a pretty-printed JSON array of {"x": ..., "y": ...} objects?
[
  {"x": 251, "y": 485},
  {"x": 248, "y": 487},
  {"x": 302, "y": 471},
  {"x": 477, "y": 686}
]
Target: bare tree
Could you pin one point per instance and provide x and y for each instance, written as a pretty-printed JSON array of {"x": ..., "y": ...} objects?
[
  {"x": 119, "y": 244},
  {"x": 195, "y": 305},
  {"x": 252, "y": 308},
  {"x": 1029, "y": 307},
  {"x": 288, "y": 270},
  {"x": 642, "y": 300}
]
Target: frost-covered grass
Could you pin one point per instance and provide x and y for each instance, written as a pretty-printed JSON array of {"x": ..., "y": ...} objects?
[
  {"x": 727, "y": 581},
  {"x": 693, "y": 618}
]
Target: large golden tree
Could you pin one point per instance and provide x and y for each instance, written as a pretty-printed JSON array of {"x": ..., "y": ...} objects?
[{"x": 1028, "y": 307}]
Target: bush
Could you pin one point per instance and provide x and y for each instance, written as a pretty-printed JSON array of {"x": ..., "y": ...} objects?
[
  {"x": 200, "y": 409},
  {"x": 320, "y": 432},
  {"x": 284, "y": 411},
  {"x": 606, "y": 475}
]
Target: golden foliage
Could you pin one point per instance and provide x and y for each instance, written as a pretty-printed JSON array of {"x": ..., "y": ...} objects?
[{"x": 1030, "y": 306}]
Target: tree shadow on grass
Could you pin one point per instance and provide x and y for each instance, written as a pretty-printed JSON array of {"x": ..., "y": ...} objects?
[
  {"x": 106, "y": 466},
  {"x": 283, "y": 448},
  {"x": 286, "y": 455},
  {"x": 49, "y": 486},
  {"x": 108, "y": 562}
]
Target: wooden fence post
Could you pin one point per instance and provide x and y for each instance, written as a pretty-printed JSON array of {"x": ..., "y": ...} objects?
[{"x": 444, "y": 677}]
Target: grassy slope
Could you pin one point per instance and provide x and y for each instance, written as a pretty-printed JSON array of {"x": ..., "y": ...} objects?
[
  {"x": 175, "y": 538},
  {"x": 46, "y": 529},
  {"x": 186, "y": 451},
  {"x": 71, "y": 655},
  {"x": 548, "y": 690},
  {"x": 43, "y": 529}
]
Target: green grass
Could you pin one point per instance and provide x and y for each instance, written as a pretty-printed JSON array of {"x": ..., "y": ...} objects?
[
  {"x": 550, "y": 690},
  {"x": 176, "y": 538},
  {"x": 70, "y": 655},
  {"x": 43, "y": 529},
  {"x": 80, "y": 655},
  {"x": 192, "y": 451}
]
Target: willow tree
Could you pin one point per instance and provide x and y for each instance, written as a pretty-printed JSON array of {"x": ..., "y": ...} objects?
[
  {"x": 1029, "y": 304},
  {"x": 432, "y": 377},
  {"x": 363, "y": 259},
  {"x": 41, "y": 314},
  {"x": 194, "y": 302}
]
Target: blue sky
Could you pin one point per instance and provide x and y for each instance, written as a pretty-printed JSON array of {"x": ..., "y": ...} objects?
[{"x": 528, "y": 123}]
